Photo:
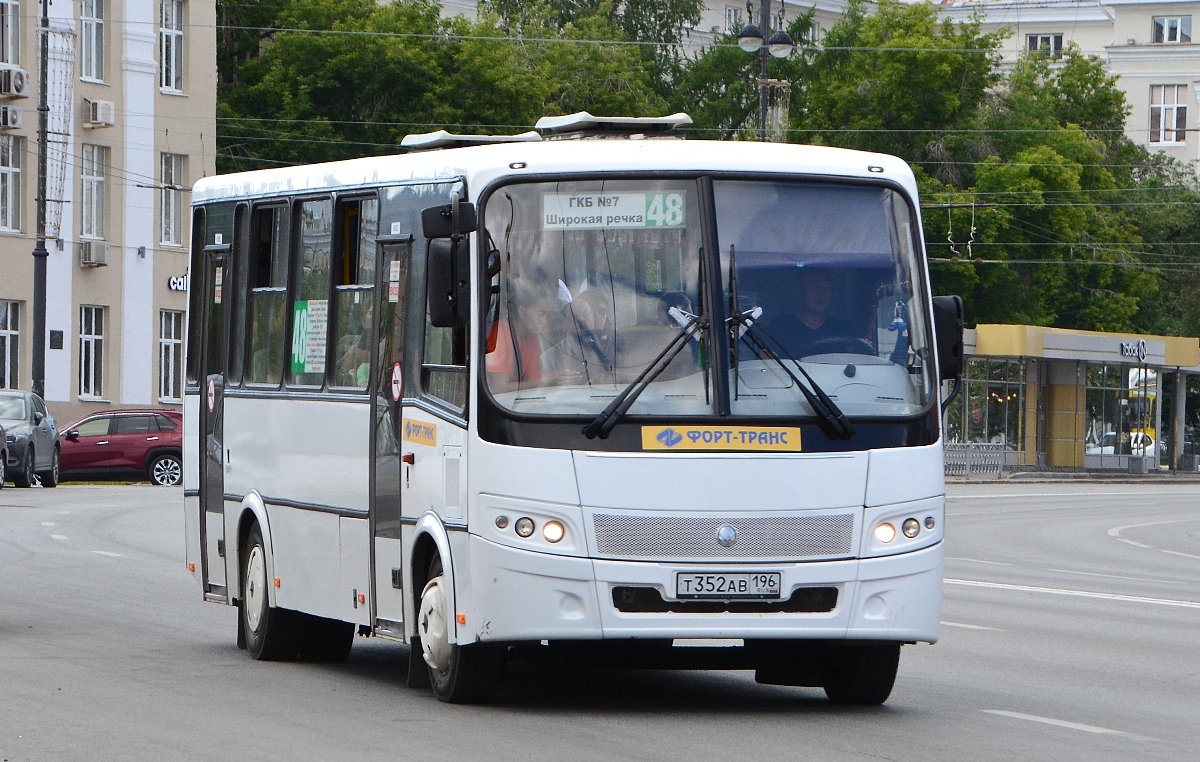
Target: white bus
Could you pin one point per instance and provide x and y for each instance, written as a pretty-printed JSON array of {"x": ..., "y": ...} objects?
[{"x": 580, "y": 394}]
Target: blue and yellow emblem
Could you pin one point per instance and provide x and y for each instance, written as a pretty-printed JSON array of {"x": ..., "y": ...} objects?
[{"x": 722, "y": 438}]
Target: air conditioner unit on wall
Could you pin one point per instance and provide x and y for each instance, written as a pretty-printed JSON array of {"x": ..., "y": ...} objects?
[
  {"x": 10, "y": 118},
  {"x": 14, "y": 82},
  {"x": 93, "y": 253},
  {"x": 99, "y": 113}
]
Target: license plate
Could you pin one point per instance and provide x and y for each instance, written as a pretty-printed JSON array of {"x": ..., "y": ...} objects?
[{"x": 727, "y": 586}]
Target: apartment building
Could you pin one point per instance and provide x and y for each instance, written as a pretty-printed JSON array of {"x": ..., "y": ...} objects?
[
  {"x": 1148, "y": 45},
  {"x": 132, "y": 95}
]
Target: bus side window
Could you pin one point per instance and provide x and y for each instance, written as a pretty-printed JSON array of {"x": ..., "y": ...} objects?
[
  {"x": 310, "y": 310},
  {"x": 196, "y": 286},
  {"x": 237, "y": 289},
  {"x": 268, "y": 272},
  {"x": 444, "y": 363},
  {"x": 354, "y": 293}
]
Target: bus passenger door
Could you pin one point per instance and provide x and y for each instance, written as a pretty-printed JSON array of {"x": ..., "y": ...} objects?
[
  {"x": 211, "y": 429},
  {"x": 393, "y": 264}
]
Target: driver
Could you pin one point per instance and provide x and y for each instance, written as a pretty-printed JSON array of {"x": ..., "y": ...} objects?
[{"x": 800, "y": 331}]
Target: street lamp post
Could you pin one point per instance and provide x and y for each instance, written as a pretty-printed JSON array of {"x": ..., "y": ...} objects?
[
  {"x": 40, "y": 255},
  {"x": 778, "y": 44}
]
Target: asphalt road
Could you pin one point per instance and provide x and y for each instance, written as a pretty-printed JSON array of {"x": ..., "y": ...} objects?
[{"x": 1071, "y": 630}]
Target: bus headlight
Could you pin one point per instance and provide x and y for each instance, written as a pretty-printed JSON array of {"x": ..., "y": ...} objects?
[
  {"x": 553, "y": 531},
  {"x": 911, "y": 528},
  {"x": 885, "y": 532},
  {"x": 524, "y": 526}
]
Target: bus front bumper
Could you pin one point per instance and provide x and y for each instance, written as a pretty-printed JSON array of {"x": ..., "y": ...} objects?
[{"x": 532, "y": 596}]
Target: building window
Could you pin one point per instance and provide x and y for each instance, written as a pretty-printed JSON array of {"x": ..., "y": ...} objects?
[
  {"x": 10, "y": 182},
  {"x": 1049, "y": 45},
  {"x": 91, "y": 351},
  {"x": 95, "y": 161},
  {"x": 170, "y": 46},
  {"x": 1168, "y": 113},
  {"x": 733, "y": 19},
  {"x": 10, "y": 343},
  {"x": 1172, "y": 29},
  {"x": 172, "y": 198},
  {"x": 91, "y": 39},
  {"x": 10, "y": 32},
  {"x": 170, "y": 356}
]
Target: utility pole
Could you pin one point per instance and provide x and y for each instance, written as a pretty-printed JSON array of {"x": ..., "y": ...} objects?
[{"x": 40, "y": 254}]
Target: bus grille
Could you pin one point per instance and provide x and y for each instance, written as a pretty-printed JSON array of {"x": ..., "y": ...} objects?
[{"x": 777, "y": 537}]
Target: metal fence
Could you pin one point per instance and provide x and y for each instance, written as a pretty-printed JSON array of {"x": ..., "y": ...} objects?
[{"x": 974, "y": 459}]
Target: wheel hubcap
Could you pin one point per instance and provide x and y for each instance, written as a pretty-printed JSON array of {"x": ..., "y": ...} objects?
[
  {"x": 166, "y": 472},
  {"x": 256, "y": 587},
  {"x": 431, "y": 623}
]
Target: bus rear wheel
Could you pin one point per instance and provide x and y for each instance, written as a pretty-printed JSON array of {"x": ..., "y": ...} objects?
[
  {"x": 861, "y": 675},
  {"x": 270, "y": 632},
  {"x": 457, "y": 674}
]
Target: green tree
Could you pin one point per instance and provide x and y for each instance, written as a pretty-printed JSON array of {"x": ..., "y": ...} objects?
[{"x": 359, "y": 76}]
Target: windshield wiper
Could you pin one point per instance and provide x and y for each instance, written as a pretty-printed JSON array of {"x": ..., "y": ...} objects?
[
  {"x": 830, "y": 418},
  {"x": 604, "y": 422}
]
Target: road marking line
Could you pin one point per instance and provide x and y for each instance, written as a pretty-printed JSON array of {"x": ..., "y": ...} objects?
[
  {"x": 1135, "y": 543},
  {"x": 49, "y": 524},
  {"x": 976, "y": 561},
  {"x": 967, "y": 626},
  {"x": 1076, "y": 593},
  {"x": 1067, "y": 494},
  {"x": 109, "y": 553},
  {"x": 58, "y": 537},
  {"x": 1117, "y": 576},
  {"x": 1056, "y": 723},
  {"x": 1116, "y": 531},
  {"x": 1177, "y": 553}
]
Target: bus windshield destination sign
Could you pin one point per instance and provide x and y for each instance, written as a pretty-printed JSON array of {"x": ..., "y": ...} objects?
[{"x": 602, "y": 211}]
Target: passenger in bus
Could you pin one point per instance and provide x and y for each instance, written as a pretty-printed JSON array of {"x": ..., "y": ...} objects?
[
  {"x": 803, "y": 330},
  {"x": 514, "y": 349},
  {"x": 354, "y": 359}
]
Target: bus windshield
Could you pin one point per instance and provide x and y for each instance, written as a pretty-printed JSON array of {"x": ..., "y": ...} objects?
[{"x": 592, "y": 280}]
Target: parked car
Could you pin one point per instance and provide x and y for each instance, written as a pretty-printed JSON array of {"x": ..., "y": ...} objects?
[
  {"x": 31, "y": 438},
  {"x": 138, "y": 443},
  {"x": 3, "y": 456}
]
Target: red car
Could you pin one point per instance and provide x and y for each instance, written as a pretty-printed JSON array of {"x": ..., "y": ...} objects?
[{"x": 141, "y": 443}]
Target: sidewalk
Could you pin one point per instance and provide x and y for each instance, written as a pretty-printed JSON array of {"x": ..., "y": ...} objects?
[{"x": 1104, "y": 477}]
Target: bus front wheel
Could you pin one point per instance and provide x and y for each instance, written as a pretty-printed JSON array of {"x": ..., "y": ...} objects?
[
  {"x": 861, "y": 675},
  {"x": 270, "y": 633},
  {"x": 457, "y": 674}
]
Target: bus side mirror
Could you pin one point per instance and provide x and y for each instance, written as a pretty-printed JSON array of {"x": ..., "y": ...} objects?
[
  {"x": 448, "y": 284},
  {"x": 449, "y": 221},
  {"x": 948, "y": 335}
]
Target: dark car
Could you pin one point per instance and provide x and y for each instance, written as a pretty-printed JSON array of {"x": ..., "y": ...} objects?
[
  {"x": 31, "y": 437},
  {"x": 137, "y": 443}
]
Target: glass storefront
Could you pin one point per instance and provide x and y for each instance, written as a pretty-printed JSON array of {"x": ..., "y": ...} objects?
[
  {"x": 1121, "y": 415},
  {"x": 989, "y": 407}
]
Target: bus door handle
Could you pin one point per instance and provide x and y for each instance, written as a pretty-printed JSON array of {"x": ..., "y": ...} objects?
[{"x": 409, "y": 458}]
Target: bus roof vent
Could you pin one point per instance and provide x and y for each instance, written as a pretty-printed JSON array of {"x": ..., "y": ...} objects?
[
  {"x": 584, "y": 125},
  {"x": 441, "y": 139}
]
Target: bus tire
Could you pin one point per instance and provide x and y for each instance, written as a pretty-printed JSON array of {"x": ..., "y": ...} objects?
[
  {"x": 270, "y": 632},
  {"x": 457, "y": 674},
  {"x": 326, "y": 640},
  {"x": 861, "y": 675}
]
